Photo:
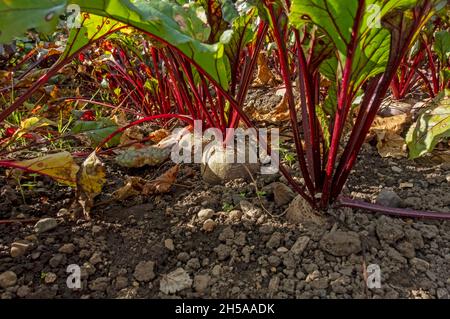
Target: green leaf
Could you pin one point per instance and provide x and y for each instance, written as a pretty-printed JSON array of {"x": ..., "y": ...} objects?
[
  {"x": 98, "y": 130},
  {"x": 93, "y": 27},
  {"x": 176, "y": 25},
  {"x": 236, "y": 39},
  {"x": 20, "y": 16},
  {"x": 442, "y": 46},
  {"x": 432, "y": 125},
  {"x": 168, "y": 21},
  {"x": 337, "y": 20}
]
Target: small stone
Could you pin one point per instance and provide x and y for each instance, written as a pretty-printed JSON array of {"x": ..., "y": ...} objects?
[
  {"x": 415, "y": 238},
  {"x": 428, "y": 231},
  {"x": 209, "y": 225},
  {"x": 339, "y": 243},
  {"x": 406, "y": 185},
  {"x": 389, "y": 198},
  {"x": 193, "y": 263},
  {"x": 274, "y": 284},
  {"x": 274, "y": 261},
  {"x": 183, "y": 256},
  {"x": 406, "y": 249},
  {"x": 274, "y": 241},
  {"x": 8, "y": 279},
  {"x": 35, "y": 255},
  {"x": 394, "y": 255},
  {"x": 168, "y": 243},
  {"x": 300, "y": 245},
  {"x": 249, "y": 209},
  {"x": 396, "y": 169},
  {"x": 23, "y": 291},
  {"x": 420, "y": 264},
  {"x": 56, "y": 260},
  {"x": 205, "y": 214},
  {"x": 96, "y": 229},
  {"x": 99, "y": 284},
  {"x": 223, "y": 251},
  {"x": 96, "y": 258},
  {"x": 216, "y": 271},
  {"x": 67, "y": 249},
  {"x": 227, "y": 233},
  {"x": 235, "y": 215},
  {"x": 442, "y": 293},
  {"x": 321, "y": 283},
  {"x": 19, "y": 248},
  {"x": 50, "y": 278},
  {"x": 45, "y": 225},
  {"x": 282, "y": 250},
  {"x": 201, "y": 283},
  {"x": 282, "y": 194},
  {"x": 63, "y": 212},
  {"x": 388, "y": 230},
  {"x": 121, "y": 282},
  {"x": 144, "y": 271}
]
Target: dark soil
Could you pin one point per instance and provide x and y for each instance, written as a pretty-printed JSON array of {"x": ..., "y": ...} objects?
[{"x": 248, "y": 256}]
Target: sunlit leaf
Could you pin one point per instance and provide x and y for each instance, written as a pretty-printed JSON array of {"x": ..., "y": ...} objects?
[
  {"x": 90, "y": 180},
  {"x": 59, "y": 166}
]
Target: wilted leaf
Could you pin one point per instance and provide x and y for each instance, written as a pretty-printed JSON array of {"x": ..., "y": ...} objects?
[
  {"x": 175, "y": 281},
  {"x": 432, "y": 125},
  {"x": 391, "y": 124},
  {"x": 137, "y": 185},
  {"x": 147, "y": 155},
  {"x": 31, "y": 124},
  {"x": 97, "y": 131},
  {"x": 90, "y": 180},
  {"x": 59, "y": 166},
  {"x": 264, "y": 75},
  {"x": 163, "y": 183},
  {"x": 158, "y": 135},
  {"x": 390, "y": 144}
]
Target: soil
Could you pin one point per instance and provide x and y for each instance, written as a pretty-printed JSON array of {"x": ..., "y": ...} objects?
[
  {"x": 246, "y": 252},
  {"x": 229, "y": 241}
]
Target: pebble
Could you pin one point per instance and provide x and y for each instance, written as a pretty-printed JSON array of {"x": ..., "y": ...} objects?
[
  {"x": 56, "y": 260},
  {"x": 50, "y": 278},
  {"x": 388, "y": 230},
  {"x": 67, "y": 249},
  {"x": 144, "y": 271},
  {"x": 227, "y": 233},
  {"x": 282, "y": 194},
  {"x": 205, "y": 214},
  {"x": 121, "y": 282},
  {"x": 274, "y": 241},
  {"x": 23, "y": 291},
  {"x": 209, "y": 225},
  {"x": 340, "y": 243},
  {"x": 396, "y": 169},
  {"x": 96, "y": 258},
  {"x": 235, "y": 215},
  {"x": 406, "y": 249},
  {"x": 99, "y": 284},
  {"x": 168, "y": 243},
  {"x": 201, "y": 283},
  {"x": 8, "y": 279},
  {"x": 420, "y": 264},
  {"x": 19, "y": 248},
  {"x": 45, "y": 225},
  {"x": 222, "y": 251},
  {"x": 300, "y": 245},
  {"x": 389, "y": 198}
]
